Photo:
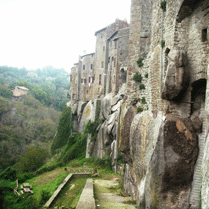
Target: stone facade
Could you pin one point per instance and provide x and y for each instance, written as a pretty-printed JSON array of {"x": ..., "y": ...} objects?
[
  {"x": 105, "y": 70},
  {"x": 158, "y": 125}
]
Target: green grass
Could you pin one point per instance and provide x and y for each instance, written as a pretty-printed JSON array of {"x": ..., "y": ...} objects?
[
  {"x": 69, "y": 196},
  {"x": 47, "y": 182}
]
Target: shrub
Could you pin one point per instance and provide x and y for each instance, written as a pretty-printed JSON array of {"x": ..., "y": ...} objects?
[
  {"x": 139, "y": 109},
  {"x": 137, "y": 77},
  {"x": 32, "y": 160},
  {"x": 9, "y": 173},
  {"x": 162, "y": 43},
  {"x": 139, "y": 62},
  {"x": 141, "y": 86},
  {"x": 146, "y": 75},
  {"x": 5, "y": 92},
  {"x": 64, "y": 130},
  {"x": 143, "y": 100},
  {"x": 163, "y": 5}
]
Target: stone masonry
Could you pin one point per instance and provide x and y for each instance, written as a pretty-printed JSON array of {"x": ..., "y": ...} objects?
[{"x": 154, "y": 130}]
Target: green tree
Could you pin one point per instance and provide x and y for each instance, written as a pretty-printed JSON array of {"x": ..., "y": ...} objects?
[{"x": 33, "y": 159}]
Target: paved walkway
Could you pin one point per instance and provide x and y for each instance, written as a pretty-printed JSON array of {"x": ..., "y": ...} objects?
[{"x": 106, "y": 196}]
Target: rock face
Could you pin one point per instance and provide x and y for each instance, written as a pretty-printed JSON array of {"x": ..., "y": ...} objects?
[
  {"x": 171, "y": 169},
  {"x": 176, "y": 78},
  {"x": 156, "y": 132}
]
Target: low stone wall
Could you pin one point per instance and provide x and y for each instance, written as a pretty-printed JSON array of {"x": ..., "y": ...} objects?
[
  {"x": 86, "y": 200},
  {"x": 61, "y": 186}
]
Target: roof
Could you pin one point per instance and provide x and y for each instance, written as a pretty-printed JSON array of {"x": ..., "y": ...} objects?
[
  {"x": 19, "y": 91},
  {"x": 99, "y": 31},
  {"x": 87, "y": 55},
  {"x": 22, "y": 88}
]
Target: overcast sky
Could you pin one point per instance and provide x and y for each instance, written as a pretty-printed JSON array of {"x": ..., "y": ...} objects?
[{"x": 37, "y": 33}]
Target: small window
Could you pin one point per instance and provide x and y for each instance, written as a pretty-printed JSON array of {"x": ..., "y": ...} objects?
[
  {"x": 83, "y": 67},
  {"x": 89, "y": 80},
  {"x": 100, "y": 79},
  {"x": 115, "y": 44},
  {"x": 204, "y": 35},
  {"x": 103, "y": 48},
  {"x": 91, "y": 66},
  {"x": 87, "y": 91},
  {"x": 81, "y": 80},
  {"x": 101, "y": 35},
  {"x": 102, "y": 64},
  {"x": 112, "y": 58},
  {"x": 85, "y": 80},
  {"x": 108, "y": 59}
]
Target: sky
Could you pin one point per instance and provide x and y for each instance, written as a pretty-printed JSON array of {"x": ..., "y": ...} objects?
[{"x": 38, "y": 33}]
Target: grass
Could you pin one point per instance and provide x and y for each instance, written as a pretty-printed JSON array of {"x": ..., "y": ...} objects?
[
  {"x": 69, "y": 196},
  {"x": 47, "y": 182}
]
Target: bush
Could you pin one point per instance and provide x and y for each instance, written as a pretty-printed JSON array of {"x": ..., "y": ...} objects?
[
  {"x": 32, "y": 160},
  {"x": 162, "y": 43},
  {"x": 139, "y": 62},
  {"x": 146, "y": 75},
  {"x": 139, "y": 109},
  {"x": 143, "y": 100},
  {"x": 45, "y": 195},
  {"x": 9, "y": 173},
  {"x": 64, "y": 130},
  {"x": 5, "y": 92},
  {"x": 141, "y": 86},
  {"x": 137, "y": 77},
  {"x": 163, "y": 5}
]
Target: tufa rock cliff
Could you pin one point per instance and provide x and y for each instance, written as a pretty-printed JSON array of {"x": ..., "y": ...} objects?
[{"x": 154, "y": 115}]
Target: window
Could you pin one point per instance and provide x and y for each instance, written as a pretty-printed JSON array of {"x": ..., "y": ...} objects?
[
  {"x": 81, "y": 80},
  {"x": 91, "y": 66},
  {"x": 85, "y": 80},
  {"x": 89, "y": 79},
  {"x": 108, "y": 59},
  {"x": 101, "y": 35},
  {"x": 204, "y": 35},
  {"x": 83, "y": 67},
  {"x": 100, "y": 79},
  {"x": 102, "y": 64},
  {"x": 103, "y": 48},
  {"x": 115, "y": 44},
  {"x": 87, "y": 91}
]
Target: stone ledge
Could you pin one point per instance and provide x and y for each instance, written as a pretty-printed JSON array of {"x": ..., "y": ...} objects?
[
  {"x": 65, "y": 181},
  {"x": 86, "y": 200}
]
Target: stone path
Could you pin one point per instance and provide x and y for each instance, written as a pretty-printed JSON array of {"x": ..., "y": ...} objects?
[{"x": 107, "y": 198}]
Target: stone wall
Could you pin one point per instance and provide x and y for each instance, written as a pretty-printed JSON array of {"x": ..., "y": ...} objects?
[{"x": 158, "y": 133}]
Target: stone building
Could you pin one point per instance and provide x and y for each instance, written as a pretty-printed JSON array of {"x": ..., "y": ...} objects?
[
  {"x": 105, "y": 70},
  {"x": 160, "y": 130}
]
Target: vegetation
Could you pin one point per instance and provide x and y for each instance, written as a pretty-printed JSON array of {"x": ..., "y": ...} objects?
[
  {"x": 146, "y": 75},
  {"x": 143, "y": 100},
  {"x": 24, "y": 123},
  {"x": 49, "y": 85},
  {"x": 140, "y": 109},
  {"x": 141, "y": 86},
  {"x": 162, "y": 43},
  {"x": 137, "y": 77},
  {"x": 91, "y": 128},
  {"x": 32, "y": 160},
  {"x": 64, "y": 130},
  {"x": 163, "y": 5},
  {"x": 139, "y": 62}
]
